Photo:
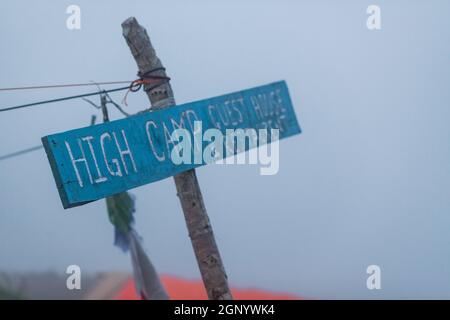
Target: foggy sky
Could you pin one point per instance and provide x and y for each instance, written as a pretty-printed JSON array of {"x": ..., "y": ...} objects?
[{"x": 367, "y": 181}]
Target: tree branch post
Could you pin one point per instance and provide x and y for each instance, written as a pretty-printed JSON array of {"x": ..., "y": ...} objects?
[{"x": 188, "y": 189}]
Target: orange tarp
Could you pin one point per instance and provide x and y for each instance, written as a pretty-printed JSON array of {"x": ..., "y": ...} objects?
[{"x": 181, "y": 289}]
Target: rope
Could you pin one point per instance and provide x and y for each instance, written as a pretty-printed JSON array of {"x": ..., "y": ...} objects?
[{"x": 146, "y": 78}]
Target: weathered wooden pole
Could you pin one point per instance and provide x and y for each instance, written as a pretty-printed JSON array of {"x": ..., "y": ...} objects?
[{"x": 188, "y": 189}]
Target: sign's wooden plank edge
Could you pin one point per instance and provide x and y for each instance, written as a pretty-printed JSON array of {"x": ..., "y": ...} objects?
[
  {"x": 299, "y": 128},
  {"x": 55, "y": 171}
]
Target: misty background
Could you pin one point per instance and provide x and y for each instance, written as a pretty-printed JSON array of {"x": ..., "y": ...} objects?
[{"x": 367, "y": 181}]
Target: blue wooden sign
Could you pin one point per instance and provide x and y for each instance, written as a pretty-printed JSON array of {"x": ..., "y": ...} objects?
[{"x": 98, "y": 161}]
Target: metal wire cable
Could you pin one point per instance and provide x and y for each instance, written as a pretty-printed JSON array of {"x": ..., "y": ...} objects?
[
  {"x": 144, "y": 79},
  {"x": 61, "y": 99},
  {"x": 18, "y": 153},
  {"x": 64, "y": 85}
]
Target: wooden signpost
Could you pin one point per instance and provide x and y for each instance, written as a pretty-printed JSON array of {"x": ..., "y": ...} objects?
[{"x": 102, "y": 160}]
